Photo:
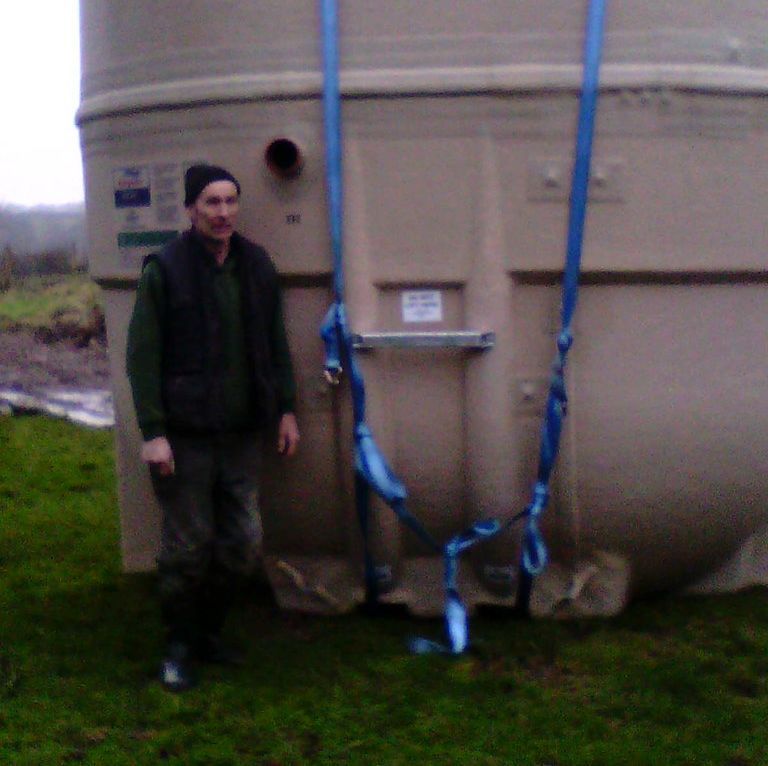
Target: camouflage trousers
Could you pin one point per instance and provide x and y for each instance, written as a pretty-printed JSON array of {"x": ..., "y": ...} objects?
[{"x": 211, "y": 530}]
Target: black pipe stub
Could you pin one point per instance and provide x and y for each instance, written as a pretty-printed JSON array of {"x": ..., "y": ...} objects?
[{"x": 284, "y": 158}]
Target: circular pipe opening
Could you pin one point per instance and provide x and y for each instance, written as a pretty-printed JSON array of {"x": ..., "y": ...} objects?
[{"x": 284, "y": 158}]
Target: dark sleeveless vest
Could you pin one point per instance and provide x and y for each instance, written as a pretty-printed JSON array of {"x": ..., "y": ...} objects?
[{"x": 191, "y": 380}]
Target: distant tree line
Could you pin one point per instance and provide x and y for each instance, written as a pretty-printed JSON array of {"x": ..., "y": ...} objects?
[
  {"x": 41, "y": 241},
  {"x": 52, "y": 262},
  {"x": 31, "y": 230}
]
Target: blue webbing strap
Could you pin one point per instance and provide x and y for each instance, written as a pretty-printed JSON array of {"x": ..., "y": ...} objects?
[
  {"x": 534, "y": 550},
  {"x": 371, "y": 469}
]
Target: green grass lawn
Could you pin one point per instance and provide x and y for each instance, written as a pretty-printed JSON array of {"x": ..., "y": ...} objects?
[
  {"x": 41, "y": 302},
  {"x": 670, "y": 682}
]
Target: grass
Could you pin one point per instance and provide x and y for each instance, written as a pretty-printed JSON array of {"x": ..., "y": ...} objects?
[
  {"x": 43, "y": 302},
  {"x": 676, "y": 682}
]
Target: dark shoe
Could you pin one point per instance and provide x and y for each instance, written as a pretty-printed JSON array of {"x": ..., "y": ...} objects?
[
  {"x": 175, "y": 672},
  {"x": 213, "y": 650}
]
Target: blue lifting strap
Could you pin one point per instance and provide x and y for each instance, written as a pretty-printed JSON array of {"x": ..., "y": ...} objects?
[
  {"x": 372, "y": 471},
  {"x": 534, "y": 552}
]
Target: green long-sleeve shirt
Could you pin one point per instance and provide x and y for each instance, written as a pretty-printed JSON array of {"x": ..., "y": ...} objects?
[{"x": 145, "y": 351}]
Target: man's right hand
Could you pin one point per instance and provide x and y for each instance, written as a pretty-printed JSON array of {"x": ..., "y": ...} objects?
[{"x": 157, "y": 454}]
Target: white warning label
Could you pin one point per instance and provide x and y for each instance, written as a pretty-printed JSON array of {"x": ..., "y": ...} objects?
[{"x": 422, "y": 306}]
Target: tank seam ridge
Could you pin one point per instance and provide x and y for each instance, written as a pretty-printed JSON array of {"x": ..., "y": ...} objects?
[{"x": 427, "y": 81}]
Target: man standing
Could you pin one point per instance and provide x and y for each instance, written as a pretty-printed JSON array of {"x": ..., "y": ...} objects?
[{"x": 209, "y": 366}]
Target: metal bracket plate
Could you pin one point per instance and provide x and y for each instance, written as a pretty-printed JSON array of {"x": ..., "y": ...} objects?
[{"x": 461, "y": 339}]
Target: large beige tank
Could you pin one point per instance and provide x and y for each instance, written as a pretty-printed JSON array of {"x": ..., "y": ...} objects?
[{"x": 459, "y": 122}]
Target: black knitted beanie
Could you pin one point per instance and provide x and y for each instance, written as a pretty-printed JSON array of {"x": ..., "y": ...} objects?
[{"x": 199, "y": 176}]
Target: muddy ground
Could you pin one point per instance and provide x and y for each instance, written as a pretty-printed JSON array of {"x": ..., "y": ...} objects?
[{"x": 29, "y": 363}]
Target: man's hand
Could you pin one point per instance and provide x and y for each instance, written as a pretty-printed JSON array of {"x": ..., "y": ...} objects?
[
  {"x": 157, "y": 454},
  {"x": 288, "y": 435}
]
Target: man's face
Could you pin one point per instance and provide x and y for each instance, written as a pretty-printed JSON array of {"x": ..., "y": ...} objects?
[{"x": 214, "y": 212}]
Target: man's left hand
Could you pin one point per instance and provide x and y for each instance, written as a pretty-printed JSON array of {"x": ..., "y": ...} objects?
[{"x": 288, "y": 435}]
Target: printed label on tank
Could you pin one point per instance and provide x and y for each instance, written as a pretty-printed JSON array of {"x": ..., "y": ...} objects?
[
  {"x": 134, "y": 246},
  {"x": 132, "y": 188},
  {"x": 166, "y": 197},
  {"x": 149, "y": 208},
  {"x": 422, "y": 306}
]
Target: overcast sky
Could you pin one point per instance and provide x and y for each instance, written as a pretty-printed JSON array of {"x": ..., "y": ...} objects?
[{"x": 40, "y": 62}]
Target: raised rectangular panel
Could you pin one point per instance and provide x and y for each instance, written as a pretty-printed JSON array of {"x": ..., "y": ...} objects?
[{"x": 420, "y": 196}]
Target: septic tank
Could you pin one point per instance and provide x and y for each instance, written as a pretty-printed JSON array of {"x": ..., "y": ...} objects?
[{"x": 459, "y": 123}]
